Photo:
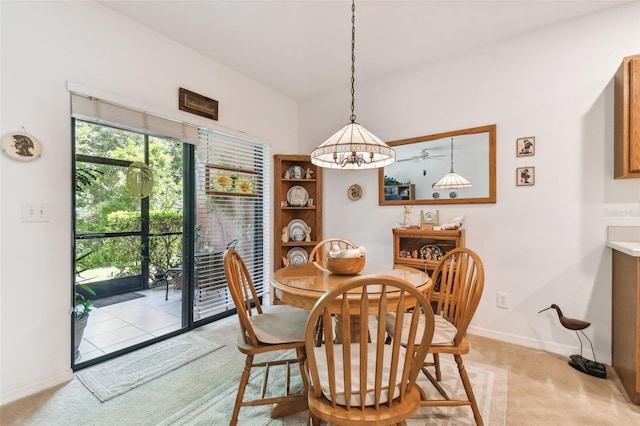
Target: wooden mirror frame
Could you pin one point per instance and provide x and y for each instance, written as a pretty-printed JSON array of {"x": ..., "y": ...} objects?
[{"x": 491, "y": 198}]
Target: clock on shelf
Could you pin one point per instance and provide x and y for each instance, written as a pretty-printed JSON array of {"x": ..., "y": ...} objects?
[{"x": 429, "y": 219}]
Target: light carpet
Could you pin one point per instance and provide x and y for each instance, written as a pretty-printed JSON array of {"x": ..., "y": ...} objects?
[
  {"x": 489, "y": 385},
  {"x": 115, "y": 377}
]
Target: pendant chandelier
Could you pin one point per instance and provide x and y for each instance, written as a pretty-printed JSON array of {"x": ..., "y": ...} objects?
[
  {"x": 452, "y": 180},
  {"x": 353, "y": 146}
]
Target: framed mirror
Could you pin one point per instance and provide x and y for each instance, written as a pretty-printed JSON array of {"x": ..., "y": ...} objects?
[{"x": 423, "y": 161}]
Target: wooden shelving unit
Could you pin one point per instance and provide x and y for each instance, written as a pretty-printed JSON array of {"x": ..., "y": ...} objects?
[{"x": 284, "y": 212}]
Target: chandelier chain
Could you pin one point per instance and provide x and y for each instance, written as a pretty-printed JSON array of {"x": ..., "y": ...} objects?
[
  {"x": 451, "y": 155},
  {"x": 353, "y": 60}
]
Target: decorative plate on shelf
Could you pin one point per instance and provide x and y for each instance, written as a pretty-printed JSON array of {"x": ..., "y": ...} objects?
[
  {"x": 297, "y": 196},
  {"x": 296, "y": 172},
  {"x": 297, "y": 255},
  {"x": 297, "y": 230},
  {"x": 430, "y": 252}
]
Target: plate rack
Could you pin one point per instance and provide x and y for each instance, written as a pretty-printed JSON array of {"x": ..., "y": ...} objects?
[{"x": 295, "y": 171}]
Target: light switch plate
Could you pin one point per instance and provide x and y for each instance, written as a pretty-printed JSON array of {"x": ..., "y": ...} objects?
[{"x": 36, "y": 212}]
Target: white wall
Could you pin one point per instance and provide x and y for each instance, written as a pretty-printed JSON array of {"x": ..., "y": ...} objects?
[
  {"x": 45, "y": 45},
  {"x": 542, "y": 244}
]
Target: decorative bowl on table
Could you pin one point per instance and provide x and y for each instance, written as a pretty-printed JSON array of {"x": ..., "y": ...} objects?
[{"x": 345, "y": 265}]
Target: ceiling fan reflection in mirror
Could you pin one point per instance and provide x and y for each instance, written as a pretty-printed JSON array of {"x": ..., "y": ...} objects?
[{"x": 423, "y": 155}]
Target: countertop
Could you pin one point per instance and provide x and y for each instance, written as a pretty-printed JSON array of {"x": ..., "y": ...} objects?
[
  {"x": 632, "y": 248},
  {"x": 625, "y": 239}
]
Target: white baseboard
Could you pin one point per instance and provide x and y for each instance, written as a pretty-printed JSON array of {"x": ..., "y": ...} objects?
[
  {"x": 33, "y": 388},
  {"x": 548, "y": 346}
]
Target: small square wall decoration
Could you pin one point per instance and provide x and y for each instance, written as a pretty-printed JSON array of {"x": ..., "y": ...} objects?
[
  {"x": 526, "y": 146},
  {"x": 525, "y": 176}
]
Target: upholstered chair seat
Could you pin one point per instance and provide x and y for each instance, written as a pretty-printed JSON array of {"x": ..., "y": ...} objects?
[
  {"x": 282, "y": 326},
  {"x": 354, "y": 356},
  {"x": 443, "y": 335}
]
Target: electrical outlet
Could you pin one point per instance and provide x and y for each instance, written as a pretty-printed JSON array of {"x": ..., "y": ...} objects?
[{"x": 503, "y": 300}]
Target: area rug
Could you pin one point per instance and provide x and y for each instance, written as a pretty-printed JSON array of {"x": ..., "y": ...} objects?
[
  {"x": 118, "y": 298},
  {"x": 115, "y": 377},
  {"x": 489, "y": 385}
]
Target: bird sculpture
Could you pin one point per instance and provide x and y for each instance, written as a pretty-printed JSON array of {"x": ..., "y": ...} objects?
[{"x": 580, "y": 363}]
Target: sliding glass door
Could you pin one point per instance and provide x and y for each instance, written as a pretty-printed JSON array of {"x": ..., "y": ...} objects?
[
  {"x": 152, "y": 220},
  {"x": 128, "y": 232}
]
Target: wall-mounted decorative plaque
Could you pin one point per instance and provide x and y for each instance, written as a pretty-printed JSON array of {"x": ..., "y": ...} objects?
[
  {"x": 21, "y": 146},
  {"x": 197, "y": 104}
]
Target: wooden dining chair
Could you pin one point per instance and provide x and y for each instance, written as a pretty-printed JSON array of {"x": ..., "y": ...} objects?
[
  {"x": 265, "y": 332},
  {"x": 372, "y": 383},
  {"x": 458, "y": 285}
]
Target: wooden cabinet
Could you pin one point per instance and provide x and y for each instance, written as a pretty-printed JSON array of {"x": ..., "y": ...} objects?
[
  {"x": 422, "y": 249},
  {"x": 625, "y": 317},
  {"x": 400, "y": 192},
  {"x": 297, "y": 209},
  {"x": 627, "y": 119}
]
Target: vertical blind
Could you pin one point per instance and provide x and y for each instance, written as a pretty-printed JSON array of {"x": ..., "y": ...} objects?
[{"x": 232, "y": 198}]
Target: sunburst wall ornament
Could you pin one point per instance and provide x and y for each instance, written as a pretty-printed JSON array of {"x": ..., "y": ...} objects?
[
  {"x": 222, "y": 182},
  {"x": 139, "y": 179},
  {"x": 243, "y": 185}
]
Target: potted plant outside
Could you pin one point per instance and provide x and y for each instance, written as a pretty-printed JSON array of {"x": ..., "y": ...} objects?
[
  {"x": 85, "y": 177},
  {"x": 81, "y": 308}
]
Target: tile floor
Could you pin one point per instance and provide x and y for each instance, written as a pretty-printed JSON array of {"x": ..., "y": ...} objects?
[
  {"x": 124, "y": 324},
  {"x": 127, "y": 323}
]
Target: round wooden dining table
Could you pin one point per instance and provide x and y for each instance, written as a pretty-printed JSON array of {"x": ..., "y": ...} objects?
[{"x": 303, "y": 284}]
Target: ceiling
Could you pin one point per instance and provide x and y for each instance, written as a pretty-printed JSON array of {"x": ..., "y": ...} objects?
[{"x": 303, "y": 48}]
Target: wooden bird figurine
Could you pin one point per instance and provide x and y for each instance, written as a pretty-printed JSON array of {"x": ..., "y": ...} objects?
[
  {"x": 593, "y": 368},
  {"x": 570, "y": 323}
]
